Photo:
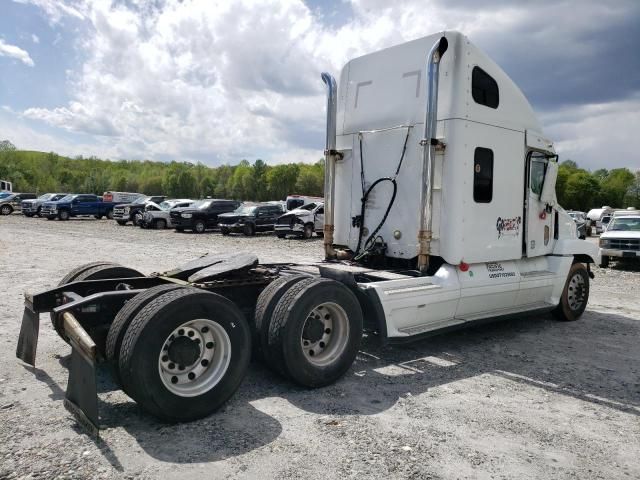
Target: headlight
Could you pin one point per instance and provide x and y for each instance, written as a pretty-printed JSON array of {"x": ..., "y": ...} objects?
[
  {"x": 186, "y": 215},
  {"x": 126, "y": 209},
  {"x": 604, "y": 242},
  {"x": 53, "y": 209}
]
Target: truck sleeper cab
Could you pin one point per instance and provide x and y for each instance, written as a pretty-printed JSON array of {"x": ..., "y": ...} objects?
[{"x": 439, "y": 211}]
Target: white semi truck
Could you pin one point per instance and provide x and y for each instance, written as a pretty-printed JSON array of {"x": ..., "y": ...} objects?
[{"x": 440, "y": 210}]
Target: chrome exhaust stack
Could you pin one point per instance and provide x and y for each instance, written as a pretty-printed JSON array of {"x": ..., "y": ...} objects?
[
  {"x": 429, "y": 143},
  {"x": 330, "y": 155}
]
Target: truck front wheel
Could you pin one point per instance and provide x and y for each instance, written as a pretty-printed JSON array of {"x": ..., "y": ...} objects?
[
  {"x": 6, "y": 210},
  {"x": 199, "y": 227},
  {"x": 110, "y": 214},
  {"x": 122, "y": 223},
  {"x": 604, "y": 261},
  {"x": 575, "y": 294},
  {"x": 315, "y": 332},
  {"x": 185, "y": 354},
  {"x": 64, "y": 215}
]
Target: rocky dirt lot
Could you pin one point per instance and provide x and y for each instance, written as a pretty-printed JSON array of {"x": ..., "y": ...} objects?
[{"x": 525, "y": 398}]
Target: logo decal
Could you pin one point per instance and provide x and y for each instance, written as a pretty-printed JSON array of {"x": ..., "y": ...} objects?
[{"x": 508, "y": 226}]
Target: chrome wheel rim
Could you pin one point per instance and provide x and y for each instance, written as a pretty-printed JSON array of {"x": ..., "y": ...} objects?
[
  {"x": 576, "y": 291},
  {"x": 6, "y": 210},
  {"x": 202, "y": 343},
  {"x": 199, "y": 227},
  {"x": 325, "y": 334}
]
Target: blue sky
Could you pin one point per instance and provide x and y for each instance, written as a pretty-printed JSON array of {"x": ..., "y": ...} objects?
[{"x": 218, "y": 81}]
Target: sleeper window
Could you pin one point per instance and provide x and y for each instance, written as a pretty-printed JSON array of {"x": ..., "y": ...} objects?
[
  {"x": 484, "y": 88},
  {"x": 483, "y": 175}
]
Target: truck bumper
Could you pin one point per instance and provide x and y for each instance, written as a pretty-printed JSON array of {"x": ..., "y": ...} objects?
[
  {"x": 609, "y": 252},
  {"x": 232, "y": 227},
  {"x": 295, "y": 229}
]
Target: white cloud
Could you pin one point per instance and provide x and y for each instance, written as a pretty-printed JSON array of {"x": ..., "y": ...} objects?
[
  {"x": 35, "y": 38},
  {"x": 12, "y": 51},
  {"x": 219, "y": 81}
]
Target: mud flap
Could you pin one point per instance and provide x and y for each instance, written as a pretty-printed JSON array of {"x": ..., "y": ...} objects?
[
  {"x": 28, "y": 339},
  {"x": 82, "y": 394}
]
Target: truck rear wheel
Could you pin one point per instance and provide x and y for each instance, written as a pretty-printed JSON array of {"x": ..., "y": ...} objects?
[
  {"x": 92, "y": 271},
  {"x": 308, "y": 231},
  {"x": 199, "y": 226},
  {"x": 123, "y": 319},
  {"x": 185, "y": 354},
  {"x": 315, "y": 331},
  {"x": 265, "y": 307},
  {"x": 575, "y": 294}
]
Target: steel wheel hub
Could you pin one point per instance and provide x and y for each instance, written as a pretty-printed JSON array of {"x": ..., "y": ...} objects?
[
  {"x": 576, "y": 292},
  {"x": 194, "y": 357},
  {"x": 325, "y": 334}
]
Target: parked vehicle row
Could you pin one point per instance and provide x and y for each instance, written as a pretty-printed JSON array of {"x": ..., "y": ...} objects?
[
  {"x": 621, "y": 237},
  {"x": 229, "y": 216}
]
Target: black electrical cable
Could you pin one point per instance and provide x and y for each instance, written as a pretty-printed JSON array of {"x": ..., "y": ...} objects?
[{"x": 370, "y": 242}]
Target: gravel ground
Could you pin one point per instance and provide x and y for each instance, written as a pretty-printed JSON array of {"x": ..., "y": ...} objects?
[{"x": 524, "y": 398}]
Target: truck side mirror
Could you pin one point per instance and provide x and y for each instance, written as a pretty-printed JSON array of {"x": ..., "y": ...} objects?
[{"x": 548, "y": 194}]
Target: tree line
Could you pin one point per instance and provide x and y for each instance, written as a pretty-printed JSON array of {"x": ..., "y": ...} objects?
[
  {"x": 576, "y": 188},
  {"x": 580, "y": 189},
  {"x": 49, "y": 172}
]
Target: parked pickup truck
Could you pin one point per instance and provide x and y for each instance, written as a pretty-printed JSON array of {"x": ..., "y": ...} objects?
[
  {"x": 250, "y": 218},
  {"x": 10, "y": 202},
  {"x": 32, "y": 207},
  {"x": 302, "y": 222},
  {"x": 621, "y": 239},
  {"x": 77, "y": 205},
  {"x": 202, "y": 215},
  {"x": 132, "y": 212},
  {"x": 159, "y": 216}
]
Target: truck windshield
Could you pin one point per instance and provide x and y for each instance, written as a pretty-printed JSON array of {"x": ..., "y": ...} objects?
[
  {"x": 46, "y": 196},
  {"x": 202, "y": 204},
  {"x": 68, "y": 198},
  {"x": 625, "y": 224},
  {"x": 246, "y": 209}
]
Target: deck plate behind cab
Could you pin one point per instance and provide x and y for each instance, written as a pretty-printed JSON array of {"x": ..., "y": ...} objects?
[{"x": 211, "y": 266}]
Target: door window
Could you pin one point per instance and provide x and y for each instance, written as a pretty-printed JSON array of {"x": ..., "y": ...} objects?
[{"x": 537, "y": 170}]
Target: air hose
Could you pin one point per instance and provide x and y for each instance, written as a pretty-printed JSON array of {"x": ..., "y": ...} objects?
[{"x": 371, "y": 240}]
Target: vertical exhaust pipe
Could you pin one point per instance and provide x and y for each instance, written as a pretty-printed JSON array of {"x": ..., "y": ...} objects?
[
  {"x": 330, "y": 155},
  {"x": 429, "y": 143}
]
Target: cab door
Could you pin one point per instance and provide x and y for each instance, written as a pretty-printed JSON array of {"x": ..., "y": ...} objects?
[{"x": 539, "y": 216}]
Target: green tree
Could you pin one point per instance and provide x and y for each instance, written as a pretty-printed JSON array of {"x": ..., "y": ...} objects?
[{"x": 6, "y": 146}]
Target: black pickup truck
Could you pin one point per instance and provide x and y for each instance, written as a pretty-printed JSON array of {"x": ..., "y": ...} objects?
[
  {"x": 202, "y": 215},
  {"x": 250, "y": 218}
]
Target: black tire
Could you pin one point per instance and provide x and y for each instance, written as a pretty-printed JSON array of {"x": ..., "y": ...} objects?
[
  {"x": 28, "y": 215},
  {"x": 160, "y": 224},
  {"x": 38, "y": 211},
  {"x": 224, "y": 231},
  {"x": 575, "y": 294},
  {"x": 307, "y": 233},
  {"x": 589, "y": 231},
  {"x": 289, "y": 325},
  {"x": 123, "y": 319},
  {"x": 92, "y": 271},
  {"x": 145, "y": 339},
  {"x": 97, "y": 217},
  {"x": 249, "y": 229},
  {"x": 604, "y": 261},
  {"x": 179, "y": 229},
  {"x": 265, "y": 306},
  {"x": 122, "y": 223},
  {"x": 320, "y": 234},
  {"x": 64, "y": 215},
  {"x": 135, "y": 219},
  {"x": 51, "y": 218},
  {"x": 281, "y": 235},
  {"x": 6, "y": 210},
  {"x": 199, "y": 226},
  {"x": 109, "y": 214}
]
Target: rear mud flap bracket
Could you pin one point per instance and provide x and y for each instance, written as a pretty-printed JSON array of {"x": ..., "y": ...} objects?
[
  {"x": 81, "y": 398},
  {"x": 28, "y": 339}
]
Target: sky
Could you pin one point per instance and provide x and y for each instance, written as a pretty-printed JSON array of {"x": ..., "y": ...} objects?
[{"x": 218, "y": 81}]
